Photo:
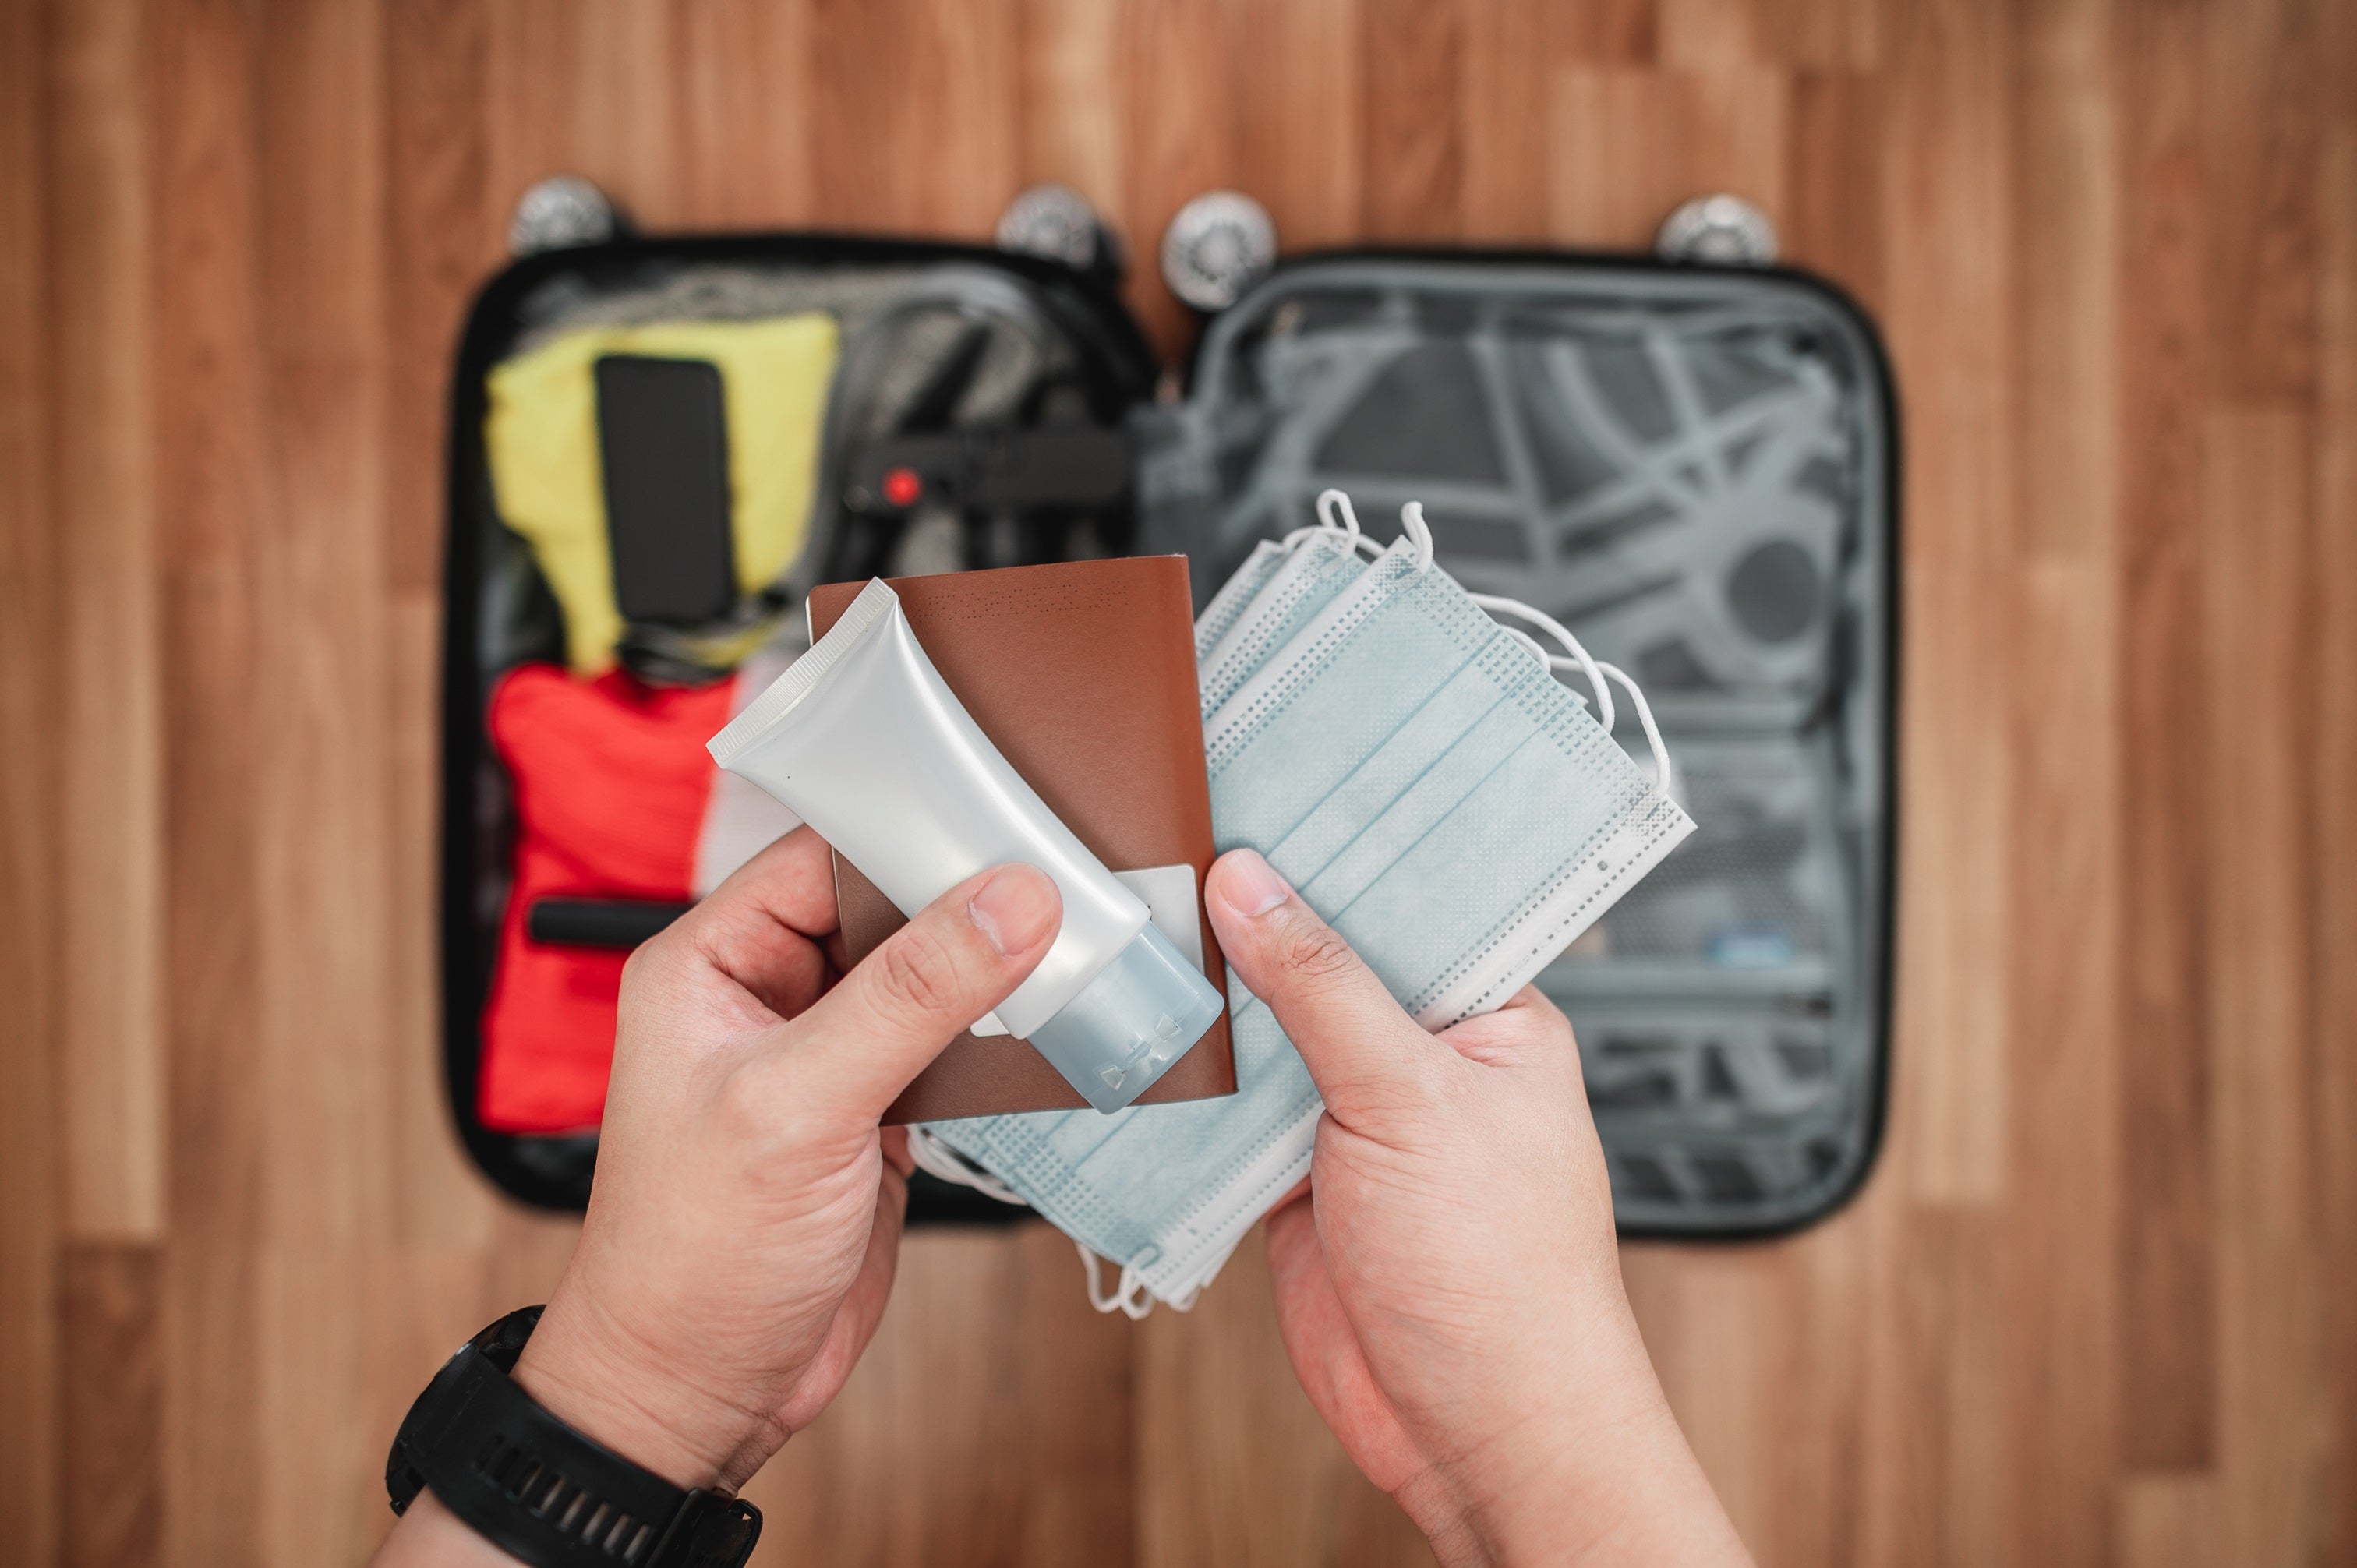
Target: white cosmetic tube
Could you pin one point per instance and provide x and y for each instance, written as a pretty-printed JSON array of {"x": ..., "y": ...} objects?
[{"x": 863, "y": 739}]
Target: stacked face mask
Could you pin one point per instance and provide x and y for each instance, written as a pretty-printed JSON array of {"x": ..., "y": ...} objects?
[{"x": 1416, "y": 772}]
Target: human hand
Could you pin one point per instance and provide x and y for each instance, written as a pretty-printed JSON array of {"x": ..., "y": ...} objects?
[
  {"x": 746, "y": 1218},
  {"x": 1448, "y": 1287}
]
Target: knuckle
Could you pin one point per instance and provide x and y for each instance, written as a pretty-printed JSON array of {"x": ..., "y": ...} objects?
[
  {"x": 649, "y": 966},
  {"x": 759, "y": 1107},
  {"x": 1314, "y": 954},
  {"x": 919, "y": 972}
]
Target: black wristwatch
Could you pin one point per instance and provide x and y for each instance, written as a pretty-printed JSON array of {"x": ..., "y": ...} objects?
[{"x": 541, "y": 1491}]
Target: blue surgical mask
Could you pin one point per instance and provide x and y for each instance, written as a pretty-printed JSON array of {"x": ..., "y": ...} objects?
[
  {"x": 1417, "y": 773},
  {"x": 1288, "y": 583}
]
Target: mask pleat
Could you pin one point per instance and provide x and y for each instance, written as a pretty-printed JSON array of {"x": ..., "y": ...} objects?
[{"x": 1432, "y": 791}]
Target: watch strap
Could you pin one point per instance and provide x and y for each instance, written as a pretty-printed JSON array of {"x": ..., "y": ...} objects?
[{"x": 539, "y": 1491}]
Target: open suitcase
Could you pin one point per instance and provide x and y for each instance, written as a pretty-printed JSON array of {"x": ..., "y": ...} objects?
[{"x": 1692, "y": 465}]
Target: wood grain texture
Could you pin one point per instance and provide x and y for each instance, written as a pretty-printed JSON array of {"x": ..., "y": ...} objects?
[
  {"x": 2099, "y": 1303},
  {"x": 110, "y": 1354},
  {"x": 2167, "y": 1358},
  {"x": 32, "y": 861},
  {"x": 111, "y": 754}
]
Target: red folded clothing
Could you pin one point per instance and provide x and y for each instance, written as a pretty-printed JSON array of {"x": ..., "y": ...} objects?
[{"x": 611, "y": 786}]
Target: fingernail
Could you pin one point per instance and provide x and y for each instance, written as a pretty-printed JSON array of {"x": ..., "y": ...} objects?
[
  {"x": 1250, "y": 886},
  {"x": 1016, "y": 909}
]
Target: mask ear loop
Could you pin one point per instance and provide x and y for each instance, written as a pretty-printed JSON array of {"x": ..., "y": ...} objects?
[
  {"x": 1133, "y": 1300},
  {"x": 935, "y": 1158},
  {"x": 1418, "y": 532},
  {"x": 1546, "y": 661},
  {"x": 1595, "y": 671},
  {"x": 1662, "y": 774},
  {"x": 1412, "y": 519},
  {"x": 1605, "y": 713},
  {"x": 1344, "y": 533}
]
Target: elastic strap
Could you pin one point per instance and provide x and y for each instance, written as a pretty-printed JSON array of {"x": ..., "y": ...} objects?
[
  {"x": 1344, "y": 534},
  {"x": 1332, "y": 504},
  {"x": 932, "y": 1156},
  {"x": 1412, "y": 523},
  {"x": 1645, "y": 717},
  {"x": 1495, "y": 604},
  {"x": 1132, "y": 1300},
  {"x": 1597, "y": 673}
]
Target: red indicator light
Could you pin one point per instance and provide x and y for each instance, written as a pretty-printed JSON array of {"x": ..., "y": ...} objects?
[{"x": 902, "y": 486}]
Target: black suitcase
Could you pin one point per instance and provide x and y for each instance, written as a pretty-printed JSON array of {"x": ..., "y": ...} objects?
[{"x": 1694, "y": 467}]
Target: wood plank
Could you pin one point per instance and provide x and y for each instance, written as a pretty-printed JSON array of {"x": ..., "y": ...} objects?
[
  {"x": 110, "y": 1336},
  {"x": 323, "y": 779},
  {"x": 2063, "y": 1181},
  {"x": 1414, "y": 70},
  {"x": 1826, "y": 35},
  {"x": 113, "y": 1055},
  {"x": 1936, "y": 1486},
  {"x": 532, "y": 98},
  {"x": 745, "y": 163},
  {"x": 936, "y": 150},
  {"x": 1506, "y": 145},
  {"x": 1837, "y": 153},
  {"x": 213, "y": 484},
  {"x": 1633, "y": 142},
  {"x": 2166, "y": 1300},
  {"x": 1300, "y": 72},
  {"x": 1612, "y": 32},
  {"x": 1948, "y": 216},
  {"x": 2333, "y": 683},
  {"x": 2260, "y": 90},
  {"x": 443, "y": 235},
  {"x": 2168, "y": 1521},
  {"x": 1070, "y": 106},
  {"x": 628, "y": 97},
  {"x": 2258, "y": 615},
  {"x": 30, "y": 862}
]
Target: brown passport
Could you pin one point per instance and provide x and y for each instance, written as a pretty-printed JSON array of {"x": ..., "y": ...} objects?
[{"x": 1083, "y": 674}]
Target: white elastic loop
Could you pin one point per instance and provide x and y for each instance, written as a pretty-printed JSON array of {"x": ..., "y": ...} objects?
[
  {"x": 1133, "y": 1300},
  {"x": 1412, "y": 519},
  {"x": 1344, "y": 534},
  {"x": 1605, "y": 712},
  {"x": 934, "y": 1157},
  {"x": 1546, "y": 661},
  {"x": 1645, "y": 717},
  {"x": 1331, "y": 501}
]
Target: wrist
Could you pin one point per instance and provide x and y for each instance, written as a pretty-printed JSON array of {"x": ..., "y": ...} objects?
[
  {"x": 1614, "y": 1486},
  {"x": 430, "y": 1534},
  {"x": 591, "y": 1376},
  {"x": 1596, "y": 1471}
]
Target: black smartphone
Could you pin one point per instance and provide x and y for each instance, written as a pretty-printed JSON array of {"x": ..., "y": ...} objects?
[{"x": 662, "y": 436}]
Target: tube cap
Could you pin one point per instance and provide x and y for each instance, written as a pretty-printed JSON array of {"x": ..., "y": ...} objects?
[{"x": 1144, "y": 1011}]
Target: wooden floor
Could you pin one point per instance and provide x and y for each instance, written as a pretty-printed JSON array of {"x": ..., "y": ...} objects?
[{"x": 2099, "y": 1302}]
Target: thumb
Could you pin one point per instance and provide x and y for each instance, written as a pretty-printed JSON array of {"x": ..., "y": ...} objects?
[
  {"x": 860, "y": 1044},
  {"x": 1367, "y": 1056}
]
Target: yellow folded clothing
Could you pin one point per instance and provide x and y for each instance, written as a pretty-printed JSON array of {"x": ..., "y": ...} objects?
[{"x": 541, "y": 436}]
